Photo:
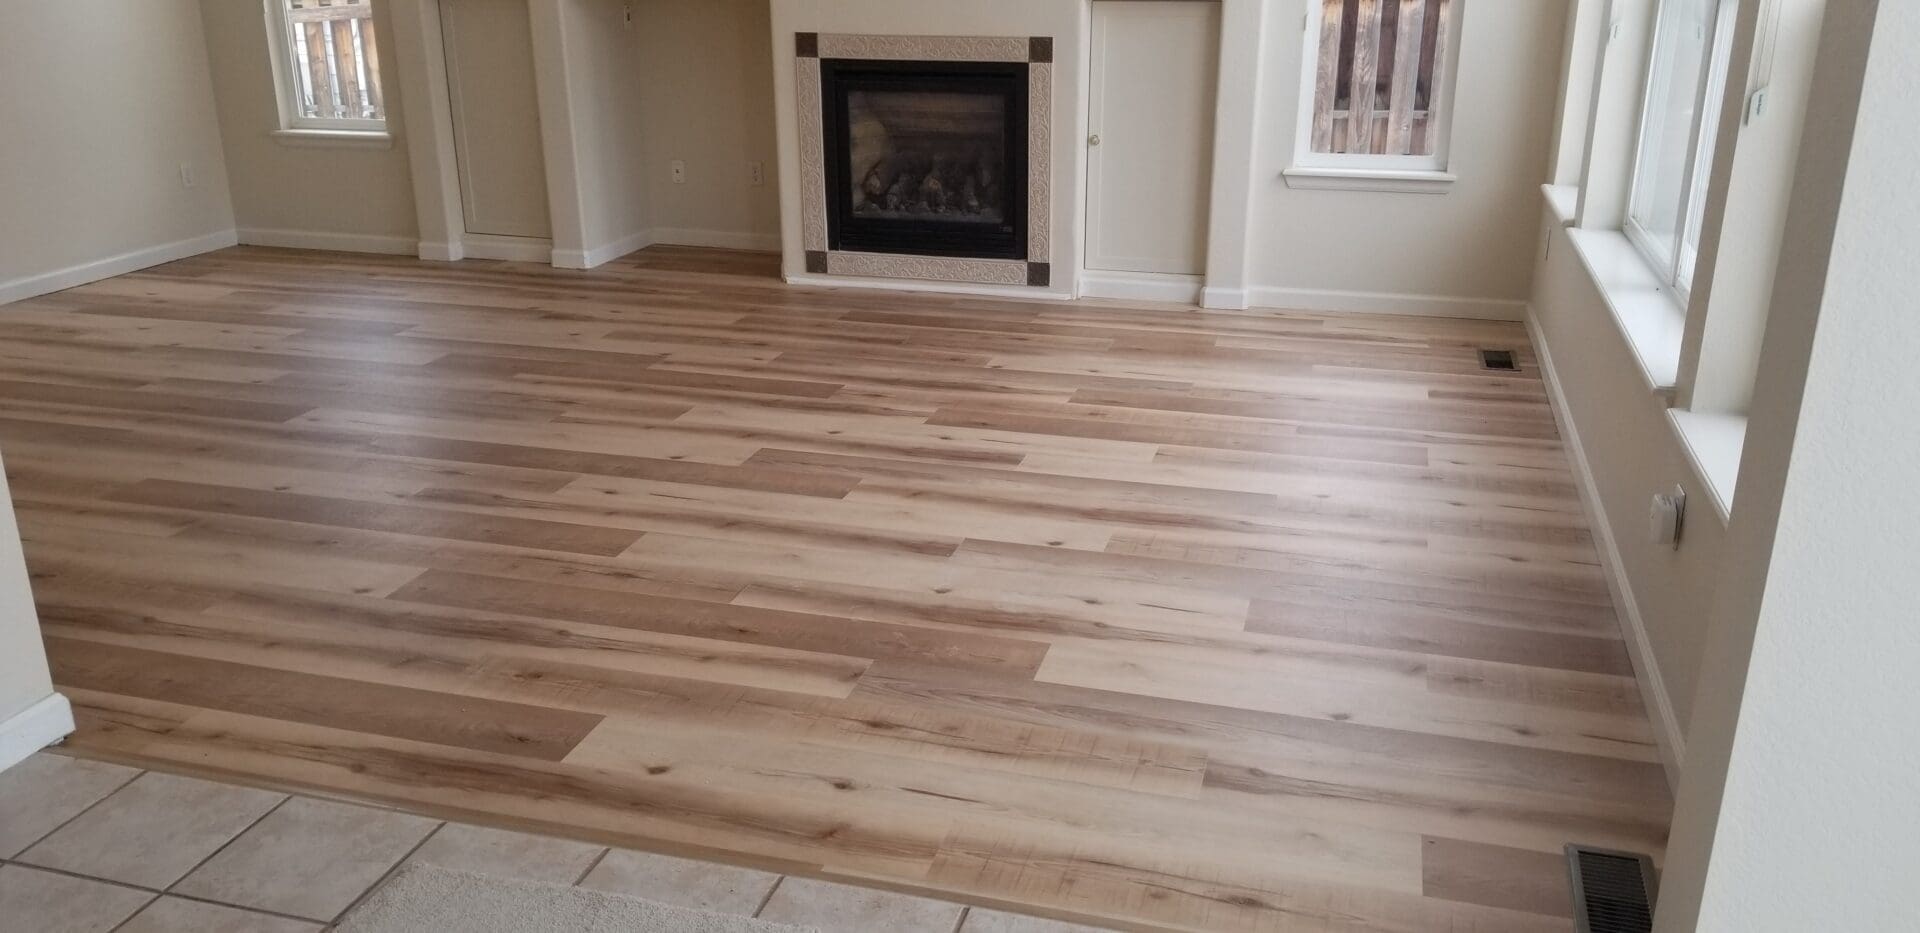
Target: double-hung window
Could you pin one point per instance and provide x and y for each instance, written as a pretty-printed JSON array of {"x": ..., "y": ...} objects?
[
  {"x": 328, "y": 71},
  {"x": 1686, "y": 77},
  {"x": 1380, "y": 74}
]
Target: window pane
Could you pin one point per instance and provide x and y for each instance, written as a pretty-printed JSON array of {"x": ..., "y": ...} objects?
[
  {"x": 1682, "y": 47},
  {"x": 335, "y": 68},
  {"x": 1378, "y": 78}
]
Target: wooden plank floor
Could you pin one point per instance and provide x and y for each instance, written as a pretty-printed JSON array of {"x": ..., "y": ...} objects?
[{"x": 1155, "y": 618}]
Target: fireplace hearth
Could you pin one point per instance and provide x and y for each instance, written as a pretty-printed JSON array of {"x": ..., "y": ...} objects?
[{"x": 926, "y": 158}]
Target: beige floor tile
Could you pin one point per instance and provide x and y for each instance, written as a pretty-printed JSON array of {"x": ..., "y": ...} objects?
[
  {"x": 40, "y": 793},
  {"x": 993, "y": 921},
  {"x": 310, "y": 858},
  {"x": 847, "y": 909},
  {"x": 152, "y": 831},
  {"x": 506, "y": 854},
  {"x": 179, "y": 915},
  {"x": 34, "y": 901},
  {"x": 680, "y": 882}
]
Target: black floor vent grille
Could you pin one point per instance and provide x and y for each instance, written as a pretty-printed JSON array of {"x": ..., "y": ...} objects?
[
  {"x": 1498, "y": 359},
  {"x": 1612, "y": 891}
]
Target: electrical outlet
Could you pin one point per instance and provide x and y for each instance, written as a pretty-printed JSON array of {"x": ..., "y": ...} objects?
[
  {"x": 187, "y": 179},
  {"x": 679, "y": 172},
  {"x": 756, "y": 173}
]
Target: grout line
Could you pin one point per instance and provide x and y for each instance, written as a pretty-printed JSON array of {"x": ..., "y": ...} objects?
[
  {"x": 592, "y": 865},
  {"x": 230, "y": 841},
  {"x": 137, "y": 912},
  {"x": 252, "y": 910},
  {"x": 83, "y": 812},
  {"x": 435, "y": 831},
  {"x": 769, "y": 898}
]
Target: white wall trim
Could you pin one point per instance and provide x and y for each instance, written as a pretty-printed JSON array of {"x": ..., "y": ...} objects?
[
  {"x": 1313, "y": 299},
  {"x": 508, "y": 248},
  {"x": 75, "y": 275},
  {"x": 603, "y": 254},
  {"x": 911, "y": 285},
  {"x": 441, "y": 252},
  {"x": 1217, "y": 298},
  {"x": 34, "y": 728},
  {"x": 1653, "y": 687},
  {"x": 335, "y": 242},
  {"x": 1141, "y": 286},
  {"x": 717, "y": 239}
]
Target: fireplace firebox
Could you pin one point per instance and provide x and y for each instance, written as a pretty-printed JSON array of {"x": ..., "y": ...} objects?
[{"x": 926, "y": 158}]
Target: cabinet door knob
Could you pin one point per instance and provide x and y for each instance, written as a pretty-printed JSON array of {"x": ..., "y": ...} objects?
[{"x": 1093, "y": 140}]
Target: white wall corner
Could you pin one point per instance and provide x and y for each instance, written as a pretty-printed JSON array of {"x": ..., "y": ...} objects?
[
  {"x": 1653, "y": 688},
  {"x": 93, "y": 271},
  {"x": 1216, "y": 298},
  {"x": 34, "y": 728},
  {"x": 441, "y": 252}
]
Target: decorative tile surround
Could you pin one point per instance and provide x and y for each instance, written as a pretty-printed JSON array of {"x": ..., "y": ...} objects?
[{"x": 1036, "y": 52}]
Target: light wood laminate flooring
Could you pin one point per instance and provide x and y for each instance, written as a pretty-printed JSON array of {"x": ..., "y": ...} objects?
[{"x": 1141, "y": 616}]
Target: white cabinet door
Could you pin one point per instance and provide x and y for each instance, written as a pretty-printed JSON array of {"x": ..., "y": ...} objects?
[
  {"x": 496, "y": 117},
  {"x": 1155, "y": 77}
]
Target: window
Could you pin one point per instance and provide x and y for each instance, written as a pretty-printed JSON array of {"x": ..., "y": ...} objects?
[
  {"x": 1686, "y": 77},
  {"x": 328, "y": 70},
  {"x": 1381, "y": 75}
]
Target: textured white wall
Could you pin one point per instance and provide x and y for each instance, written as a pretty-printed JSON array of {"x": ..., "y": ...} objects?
[{"x": 1799, "y": 803}]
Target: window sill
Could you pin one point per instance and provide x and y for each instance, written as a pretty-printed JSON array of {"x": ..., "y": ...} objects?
[
  {"x": 1648, "y": 314},
  {"x": 1565, "y": 201},
  {"x": 1714, "y": 443},
  {"x": 336, "y": 139},
  {"x": 1362, "y": 179}
]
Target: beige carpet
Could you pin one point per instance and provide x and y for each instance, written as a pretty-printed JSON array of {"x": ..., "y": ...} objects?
[{"x": 425, "y": 899}]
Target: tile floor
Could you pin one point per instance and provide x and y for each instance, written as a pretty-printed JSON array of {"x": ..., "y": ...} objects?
[{"x": 90, "y": 847}]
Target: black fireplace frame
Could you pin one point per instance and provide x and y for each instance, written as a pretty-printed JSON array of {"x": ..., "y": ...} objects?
[{"x": 840, "y": 77}]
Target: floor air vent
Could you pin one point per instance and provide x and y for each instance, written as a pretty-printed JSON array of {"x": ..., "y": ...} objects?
[
  {"x": 1498, "y": 359},
  {"x": 1612, "y": 891}
]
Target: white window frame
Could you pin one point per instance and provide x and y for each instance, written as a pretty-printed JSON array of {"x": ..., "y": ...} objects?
[
  {"x": 1677, "y": 271},
  {"x": 1391, "y": 172},
  {"x": 286, "y": 87}
]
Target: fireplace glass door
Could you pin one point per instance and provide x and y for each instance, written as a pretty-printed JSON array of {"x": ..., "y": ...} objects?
[{"x": 927, "y": 158}]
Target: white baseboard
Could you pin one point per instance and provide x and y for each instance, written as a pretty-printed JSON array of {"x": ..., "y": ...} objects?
[
  {"x": 34, "y": 728},
  {"x": 916, "y": 285},
  {"x": 75, "y": 275},
  {"x": 717, "y": 239},
  {"x": 1216, "y": 298},
  {"x": 1653, "y": 687},
  {"x": 1140, "y": 286},
  {"x": 336, "y": 242},
  {"x": 506, "y": 248},
  {"x": 1311, "y": 299},
  {"x": 440, "y": 252},
  {"x": 602, "y": 254}
]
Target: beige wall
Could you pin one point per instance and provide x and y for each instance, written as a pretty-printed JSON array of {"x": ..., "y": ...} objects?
[
  {"x": 1314, "y": 249},
  {"x": 103, "y": 102},
  {"x": 1618, "y": 436},
  {"x": 280, "y": 189},
  {"x": 706, "y": 70}
]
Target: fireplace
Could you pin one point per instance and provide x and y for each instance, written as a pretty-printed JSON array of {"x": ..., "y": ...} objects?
[{"x": 926, "y": 158}]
